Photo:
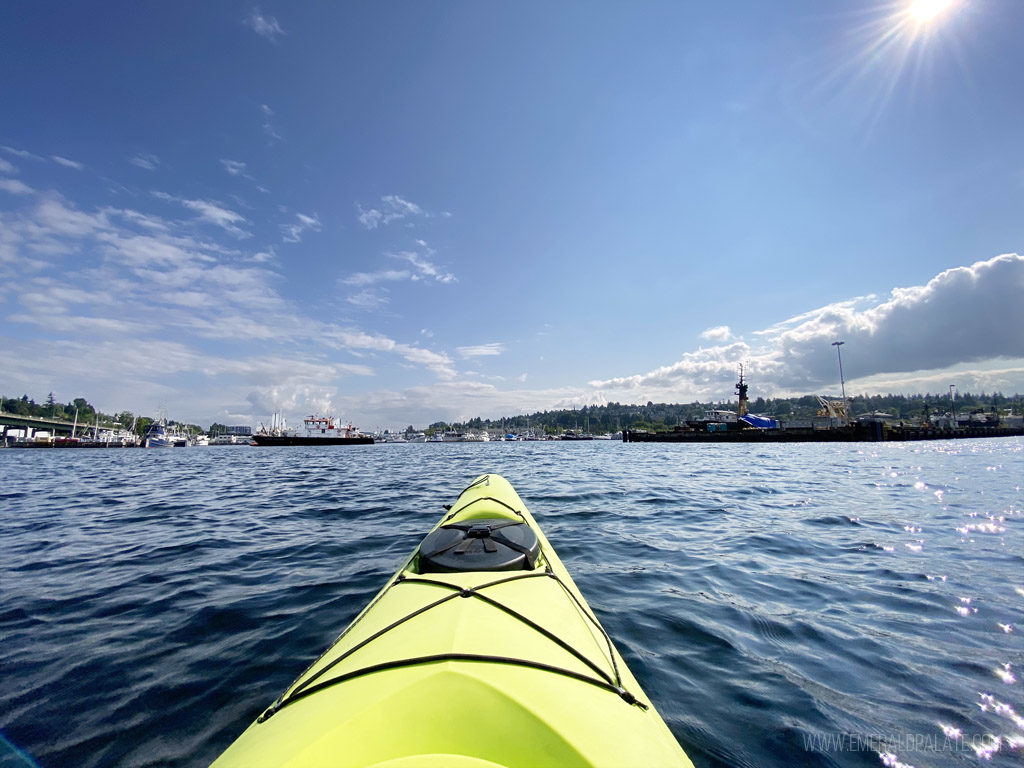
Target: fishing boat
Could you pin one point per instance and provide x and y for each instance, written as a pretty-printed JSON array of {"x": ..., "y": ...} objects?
[
  {"x": 319, "y": 430},
  {"x": 160, "y": 435}
]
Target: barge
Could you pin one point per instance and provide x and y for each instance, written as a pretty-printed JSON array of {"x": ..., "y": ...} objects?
[
  {"x": 833, "y": 425},
  {"x": 871, "y": 432}
]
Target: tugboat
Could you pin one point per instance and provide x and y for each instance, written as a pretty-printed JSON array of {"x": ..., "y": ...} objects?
[{"x": 320, "y": 430}]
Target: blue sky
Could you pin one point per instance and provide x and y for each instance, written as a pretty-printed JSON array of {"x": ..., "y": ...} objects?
[{"x": 405, "y": 212}]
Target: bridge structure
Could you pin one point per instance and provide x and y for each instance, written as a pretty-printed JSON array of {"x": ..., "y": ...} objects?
[{"x": 29, "y": 425}]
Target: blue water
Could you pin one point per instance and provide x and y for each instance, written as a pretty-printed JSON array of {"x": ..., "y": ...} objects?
[{"x": 790, "y": 605}]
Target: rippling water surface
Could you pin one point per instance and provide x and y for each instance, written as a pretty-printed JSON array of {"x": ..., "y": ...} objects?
[{"x": 808, "y": 605}]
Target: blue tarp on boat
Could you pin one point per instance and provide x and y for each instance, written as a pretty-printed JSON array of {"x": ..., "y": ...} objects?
[{"x": 761, "y": 422}]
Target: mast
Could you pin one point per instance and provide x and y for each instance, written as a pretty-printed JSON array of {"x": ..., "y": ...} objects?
[{"x": 741, "y": 390}]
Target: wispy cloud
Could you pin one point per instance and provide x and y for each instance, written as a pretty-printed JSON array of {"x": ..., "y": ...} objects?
[
  {"x": 74, "y": 164},
  {"x": 292, "y": 233},
  {"x": 264, "y": 257},
  {"x": 235, "y": 168},
  {"x": 6, "y": 167},
  {"x": 141, "y": 219},
  {"x": 145, "y": 161},
  {"x": 422, "y": 269},
  {"x": 483, "y": 350},
  {"x": 211, "y": 212},
  {"x": 263, "y": 25},
  {"x": 392, "y": 208},
  {"x": 368, "y": 299},
  {"x": 349, "y": 338},
  {"x": 15, "y": 187},
  {"x": 22, "y": 153},
  {"x": 268, "y": 126},
  {"x": 89, "y": 281},
  {"x": 360, "y": 279},
  {"x": 56, "y": 218}
]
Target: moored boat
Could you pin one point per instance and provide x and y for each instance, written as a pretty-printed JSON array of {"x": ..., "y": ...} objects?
[
  {"x": 159, "y": 435},
  {"x": 320, "y": 430}
]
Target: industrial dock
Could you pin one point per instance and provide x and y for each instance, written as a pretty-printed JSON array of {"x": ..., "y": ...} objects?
[{"x": 832, "y": 424}]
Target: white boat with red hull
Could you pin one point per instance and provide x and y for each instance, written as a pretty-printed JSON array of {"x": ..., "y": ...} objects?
[{"x": 320, "y": 430}]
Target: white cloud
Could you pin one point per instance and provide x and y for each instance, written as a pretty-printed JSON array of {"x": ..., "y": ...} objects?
[
  {"x": 116, "y": 283},
  {"x": 368, "y": 300},
  {"x": 264, "y": 26},
  {"x": 21, "y": 153},
  {"x": 422, "y": 269},
  {"x": 6, "y": 167},
  {"x": 67, "y": 163},
  {"x": 89, "y": 326},
  {"x": 90, "y": 283},
  {"x": 483, "y": 350},
  {"x": 968, "y": 377},
  {"x": 292, "y": 233},
  {"x": 145, "y": 161},
  {"x": 392, "y": 208},
  {"x": 437, "y": 362},
  {"x": 719, "y": 333},
  {"x": 235, "y": 168},
  {"x": 140, "y": 219},
  {"x": 351, "y": 338},
  {"x": 212, "y": 213},
  {"x": 966, "y": 319},
  {"x": 56, "y": 218},
  {"x": 425, "y": 269},
  {"x": 701, "y": 372},
  {"x": 359, "y": 279},
  {"x": 15, "y": 187},
  {"x": 268, "y": 126}
]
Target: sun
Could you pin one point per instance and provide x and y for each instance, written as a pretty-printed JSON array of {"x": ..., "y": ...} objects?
[{"x": 923, "y": 11}]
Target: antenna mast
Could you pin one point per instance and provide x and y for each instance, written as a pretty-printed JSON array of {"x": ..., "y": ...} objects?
[{"x": 741, "y": 390}]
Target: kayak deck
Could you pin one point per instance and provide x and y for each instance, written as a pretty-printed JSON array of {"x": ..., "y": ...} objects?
[{"x": 475, "y": 668}]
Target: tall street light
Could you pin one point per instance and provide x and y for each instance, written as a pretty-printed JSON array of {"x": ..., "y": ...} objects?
[{"x": 842, "y": 384}]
